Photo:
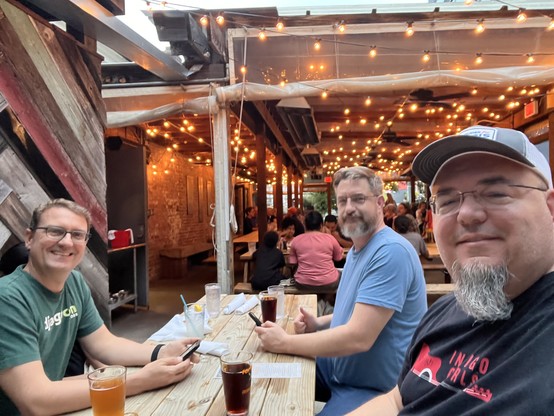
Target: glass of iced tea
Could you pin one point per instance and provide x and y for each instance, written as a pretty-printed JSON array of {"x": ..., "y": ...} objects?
[
  {"x": 107, "y": 390},
  {"x": 268, "y": 302},
  {"x": 236, "y": 372}
]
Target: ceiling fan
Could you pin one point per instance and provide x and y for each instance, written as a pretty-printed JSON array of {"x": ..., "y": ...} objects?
[
  {"x": 425, "y": 97},
  {"x": 390, "y": 136}
]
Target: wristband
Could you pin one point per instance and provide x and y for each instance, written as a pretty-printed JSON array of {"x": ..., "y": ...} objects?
[{"x": 155, "y": 352}]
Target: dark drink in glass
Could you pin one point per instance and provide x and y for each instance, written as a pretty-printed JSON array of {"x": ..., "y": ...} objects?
[
  {"x": 236, "y": 372},
  {"x": 269, "y": 306}
]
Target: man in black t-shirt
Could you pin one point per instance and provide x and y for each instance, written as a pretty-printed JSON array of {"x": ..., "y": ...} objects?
[{"x": 487, "y": 348}]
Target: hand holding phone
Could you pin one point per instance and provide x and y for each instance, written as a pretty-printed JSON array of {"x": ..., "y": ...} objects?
[
  {"x": 255, "y": 319},
  {"x": 190, "y": 349}
]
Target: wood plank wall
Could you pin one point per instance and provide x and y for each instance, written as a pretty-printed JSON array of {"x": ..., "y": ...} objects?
[{"x": 52, "y": 133}]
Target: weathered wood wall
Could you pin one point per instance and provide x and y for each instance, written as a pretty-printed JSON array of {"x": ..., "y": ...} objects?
[{"x": 52, "y": 133}]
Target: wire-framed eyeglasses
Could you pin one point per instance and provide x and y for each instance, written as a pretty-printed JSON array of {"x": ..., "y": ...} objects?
[
  {"x": 488, "y": 196},
  {"x": 357, "y": 199},
  {"x": 58, "y": 233}
]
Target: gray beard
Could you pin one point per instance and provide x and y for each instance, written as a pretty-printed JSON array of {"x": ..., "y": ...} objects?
[
  {"x": 480, "y": 291},
  {"x": 355, "y": 230}
]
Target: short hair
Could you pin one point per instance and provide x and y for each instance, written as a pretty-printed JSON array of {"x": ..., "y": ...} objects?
[
  {"x": 359, "y": 172},
  {"x": 313, "y": 221},
  {"x": 402, "y": 224},
  {"x": 286, "y": 223},
  {"x": 270, "y": 239},
  {"x": 330, "y": 218},
  {"x": 391, "y": 208},
  {"x": 59, "y": 203}
]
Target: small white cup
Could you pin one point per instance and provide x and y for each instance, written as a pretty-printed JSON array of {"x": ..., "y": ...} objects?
[{"x": 280, "y": 292}]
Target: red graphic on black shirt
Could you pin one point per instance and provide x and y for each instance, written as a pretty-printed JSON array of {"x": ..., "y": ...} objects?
[
  {"x": 463, "y": 372},
  {"x": 426, "y": 366}
]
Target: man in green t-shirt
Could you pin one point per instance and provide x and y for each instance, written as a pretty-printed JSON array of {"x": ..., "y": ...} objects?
[{"x": 45, "y": 306}]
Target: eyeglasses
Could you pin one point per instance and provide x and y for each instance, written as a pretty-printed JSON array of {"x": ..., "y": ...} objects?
[
  {"x": 488, "y": 196},
  {"x": 59, "y": 233},
  {"x": 358, "y": 199}
]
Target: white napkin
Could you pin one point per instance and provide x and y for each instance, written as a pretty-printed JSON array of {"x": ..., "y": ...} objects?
[
  {"x": 213, "y": 348},
  {"x": 175, "y": 329},
  {"x": 251, "y": 303},
  {"x": 235, "y": 303}
]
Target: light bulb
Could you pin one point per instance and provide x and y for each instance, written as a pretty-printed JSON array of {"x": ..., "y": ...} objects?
[
  {"x": 280, "y": 25},
  {"x": 480, "y": 28},
  {"x": 409, "y": 29},
  {"x": 204, "y": 20},
  {"x": 478, "y": 59}
]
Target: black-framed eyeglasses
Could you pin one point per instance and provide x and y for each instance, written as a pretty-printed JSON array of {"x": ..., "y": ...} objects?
[
  {"x": 488, "y": 196},
  {"x": 358, "y": 199},
  {"x": 58, "y": 233}
]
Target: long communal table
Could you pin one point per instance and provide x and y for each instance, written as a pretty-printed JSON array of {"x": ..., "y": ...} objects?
[{"x": 201, "y": 393}]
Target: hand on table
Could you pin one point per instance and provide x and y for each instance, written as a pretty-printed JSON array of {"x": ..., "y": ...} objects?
[
  {"x": 160, "y": 373},
  {"x": 175, "y": 348},
  {"x": 272, "y": 337}
]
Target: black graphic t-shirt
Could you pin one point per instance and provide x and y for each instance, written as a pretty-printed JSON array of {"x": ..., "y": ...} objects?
[{"x": 456, "y": 366}]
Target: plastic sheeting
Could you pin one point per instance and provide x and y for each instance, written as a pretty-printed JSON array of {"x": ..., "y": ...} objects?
[{"x": 385, "y": 85}]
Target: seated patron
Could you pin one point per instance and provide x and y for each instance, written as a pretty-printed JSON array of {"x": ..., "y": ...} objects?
[
  {"x": 313, "y": 252},
  {"x": 402, "y": 226},
  {"x": 268, "y": 263},
  {"x": 35, "y": 350},
  {"x": 331, "y": 226}
]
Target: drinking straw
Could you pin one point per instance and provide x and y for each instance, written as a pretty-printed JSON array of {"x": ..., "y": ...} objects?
[{"x": 187, "y": 316}]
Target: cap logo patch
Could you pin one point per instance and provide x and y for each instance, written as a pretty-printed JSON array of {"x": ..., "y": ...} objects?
[{"x": 484, "y": 133}]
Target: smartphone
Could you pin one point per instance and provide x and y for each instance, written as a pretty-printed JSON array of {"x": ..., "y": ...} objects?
[
  {"x": 254, "y": 318},
  {"x": 190, "y": 349}
]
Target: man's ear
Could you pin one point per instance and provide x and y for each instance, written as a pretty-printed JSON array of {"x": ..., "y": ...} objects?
[
  {"x": 550, "y": 202},
  {"x": 28, "y": 237}
]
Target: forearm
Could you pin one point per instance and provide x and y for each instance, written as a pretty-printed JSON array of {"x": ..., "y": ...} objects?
[
  {"x": 389, "y": 404},
  {"x": 324, "y": 322},
  {"x": 122, "y": 351},
  {"x": 326, "y": 343}
]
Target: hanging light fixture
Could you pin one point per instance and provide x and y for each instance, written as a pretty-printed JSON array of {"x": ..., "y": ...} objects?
[
  {"x": 530, "y": 58},
  {"x": 426, "y": 57},
  {"x": 262, "y": 35},
  {"x": 521, "y": 16},
  {"x": 220, "y": 19},
  {"x": 410, "y": 29},
  {"x": 480, "y": 28}
]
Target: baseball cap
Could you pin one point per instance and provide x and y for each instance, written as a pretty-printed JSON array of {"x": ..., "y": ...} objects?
[
  {"x": 508, "y": 143},
  {"x": 293, "y": 211}
]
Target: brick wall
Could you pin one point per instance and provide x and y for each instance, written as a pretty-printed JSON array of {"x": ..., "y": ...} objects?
[{"x": 178, "y": 213}]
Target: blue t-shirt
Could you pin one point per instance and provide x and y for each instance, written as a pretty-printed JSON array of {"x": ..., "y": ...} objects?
[
  {"x": 38, "y": 324},
  {"x": 386, "y": 272}
]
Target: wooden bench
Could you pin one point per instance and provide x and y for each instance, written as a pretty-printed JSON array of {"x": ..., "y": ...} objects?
[
  {"x": 246, "y": 287},
  {"x": 174, "y": 260},
  {"x": 435, "y": 273}
]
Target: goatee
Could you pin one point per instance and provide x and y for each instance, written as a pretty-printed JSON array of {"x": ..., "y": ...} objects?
[{"x": 480, "y": 291}]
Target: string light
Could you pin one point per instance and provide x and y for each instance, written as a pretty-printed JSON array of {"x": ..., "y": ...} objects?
[
  {"x": 317, "y": 44},
  {"x": 373, "y": 51},
  {"x": 530, "y": 58},
  {"x": 551, "y": 25},
  {"x": 521, "y": 16},
  {"x": 367, "y": 101},
  {"x": 262, "y": 35},
  {"x": 478, "y": 58},
  {"x": 324, "y": 94},
  {"x": 426, "y": 56},
  {"x": 341, "y": 26},
  {"x": 220, "y": 19},
  {"x": 480, "y": 28},
  {"x": 243, "y": 69},
  {"x": 280, "y": 25},
  {"x": 204, "y": 20},
  {"x": 409, "y": 29},
  {"x": 468, "y": 2}
]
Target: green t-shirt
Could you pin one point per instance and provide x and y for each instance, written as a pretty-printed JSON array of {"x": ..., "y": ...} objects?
[{"x": 37, "y": 324}]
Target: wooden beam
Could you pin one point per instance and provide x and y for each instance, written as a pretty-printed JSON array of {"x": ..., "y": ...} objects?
[{"x": 268, "y": 119}]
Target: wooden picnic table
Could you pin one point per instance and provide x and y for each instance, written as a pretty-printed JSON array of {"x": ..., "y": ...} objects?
[
  {"x": 201, "y": 394},
  {"x": 247, "y": 238}
]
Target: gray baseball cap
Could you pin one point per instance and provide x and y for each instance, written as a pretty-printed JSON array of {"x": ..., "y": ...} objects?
[{"x": 508, "y": 143}]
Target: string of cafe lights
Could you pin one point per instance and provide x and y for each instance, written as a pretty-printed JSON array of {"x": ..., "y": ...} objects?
[{"x": 374, "y": 50}]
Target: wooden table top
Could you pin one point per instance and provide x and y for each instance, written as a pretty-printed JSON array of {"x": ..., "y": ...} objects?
[
  {"x": 202, "y": 394},
  {"x": 433, "y": 250},
  {"x": 247, "y": 238}
]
